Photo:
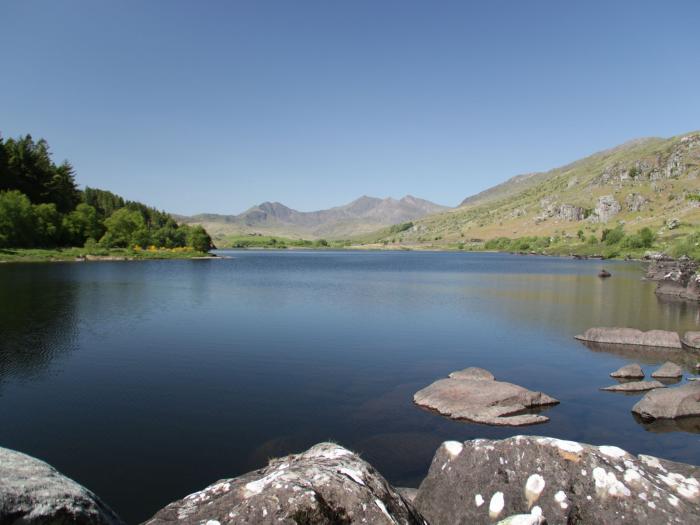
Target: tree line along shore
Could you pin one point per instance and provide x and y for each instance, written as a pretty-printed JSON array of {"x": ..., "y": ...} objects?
[{"x": 45, "y": 216}]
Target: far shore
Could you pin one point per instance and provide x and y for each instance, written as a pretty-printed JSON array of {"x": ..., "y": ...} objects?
[{"x": 38, "y": 255}]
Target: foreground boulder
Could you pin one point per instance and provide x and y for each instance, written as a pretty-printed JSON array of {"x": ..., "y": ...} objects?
[
  {"x": 474, "y": 395},
  {"x": 327, "y": 484},
  {"x": 33, "y": 492},
  {"x": 634, "y": 386},
  {"x": 633, "y": 371},
  {"x": 668, "y": 370},
  {"x": 484, "y": 481},
  {"x": 632, "y": 336},
  {"x": 670, "y": 403}
]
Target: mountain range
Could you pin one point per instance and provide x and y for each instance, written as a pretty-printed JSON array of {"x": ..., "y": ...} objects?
[
  {"x": 644, "y": 182},
  {"x": 361, "y": 216}
]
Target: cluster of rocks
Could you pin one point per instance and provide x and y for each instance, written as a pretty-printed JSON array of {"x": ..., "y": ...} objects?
[
  {"x": 662, "y": 409},
  {"x": 523, "y": 480},
  {"x": 473, "y": 394},
  {"x": 633, "y": 373}
]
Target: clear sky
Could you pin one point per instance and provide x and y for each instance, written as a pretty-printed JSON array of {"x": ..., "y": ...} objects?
[{"x": 215, "y": 106}]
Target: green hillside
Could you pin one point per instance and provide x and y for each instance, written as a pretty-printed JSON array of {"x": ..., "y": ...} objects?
[{"x": 647, "y": 183}]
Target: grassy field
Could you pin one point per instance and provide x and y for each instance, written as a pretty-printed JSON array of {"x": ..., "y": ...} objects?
[{"x": 79, "y": 254}]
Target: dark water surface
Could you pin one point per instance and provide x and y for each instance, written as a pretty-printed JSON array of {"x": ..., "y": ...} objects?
[{"x": 146, "y": 381}]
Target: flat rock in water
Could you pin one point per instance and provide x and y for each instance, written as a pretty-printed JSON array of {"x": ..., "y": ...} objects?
[
  {"x": 634, "y": 386},
  {"x": 33, "y": 492},
  {"x": 484, "y": 401},
  {"x": 327, "y": 484},
  {"x": 633, "y": 371},
  {"x": 484, "y": 481},
  {"x": 668, "y": 370},
  {"x": 670, "y": 403},
  {"x": 632, "y": 336}
]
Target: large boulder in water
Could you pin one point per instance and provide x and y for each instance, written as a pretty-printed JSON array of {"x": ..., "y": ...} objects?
[
  {"x": 668, "y": 370},
  {"x": 691, "y": 341},
  {"x": 474, "y": 395},
  {"x": 631, "y": 336},
  {"x": 327, "y": 484},
  {"x": 33, "y": 492},
  {"x": 484, "y": 481},
  {"x": 670, "y": 403}
]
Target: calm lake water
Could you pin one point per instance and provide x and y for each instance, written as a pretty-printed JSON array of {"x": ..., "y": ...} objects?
[{"x": 146, "y": 381}]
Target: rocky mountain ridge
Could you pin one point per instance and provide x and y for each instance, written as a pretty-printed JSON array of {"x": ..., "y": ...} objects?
[{"x": 362, "y": 215}]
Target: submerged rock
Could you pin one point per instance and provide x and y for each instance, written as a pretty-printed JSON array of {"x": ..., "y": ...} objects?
[
  {"x": 327, "y": 484},
  {"x": 474, "y": 395},
  {"x": 484, "y": 481},
  {"x": 634, "y": 386},
  {"x": 632, "y": 336},
  {"x": 668, "y": 370},
  {"x": 670, "y": 403},
  {"x": 33, "y": 492},
  {"x": 633, "y": 371}
]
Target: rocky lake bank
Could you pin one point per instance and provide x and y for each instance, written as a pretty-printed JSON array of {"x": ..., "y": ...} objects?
[{"x": 525, "y": 480}]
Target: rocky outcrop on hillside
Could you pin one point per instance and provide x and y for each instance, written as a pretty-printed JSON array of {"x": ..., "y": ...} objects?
[
  {"x": 33, "y": 492},
  {"x": 327, "y": 484},
  {"x": 636, "y": 202},
  {"x": 566, "y": 212},
  {"x": 483, "y": 481},
  {"x": 605, "y": 209}
]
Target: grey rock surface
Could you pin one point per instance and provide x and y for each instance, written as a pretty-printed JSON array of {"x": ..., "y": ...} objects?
[
  {"x": 668, "y": 369},
  {"x": 691, "y": 340},
  {"x": 631, "y": 371},
  {"x": 484, "y": 400},
  {"x": 33, "y": 492},
  {"x": 484, "y": 481},
  {"x": 631, "y": 336},
  {"x": 326, "y": 485},
  {"x": 634, "y": 386},
  {"x": 472, "y": 373},
  {"x": 670, "y": 403},
  {"x": 605, "y": 209}
]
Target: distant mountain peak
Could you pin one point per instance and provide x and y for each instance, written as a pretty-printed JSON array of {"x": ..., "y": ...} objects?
[{"x": 362, "y": 215}]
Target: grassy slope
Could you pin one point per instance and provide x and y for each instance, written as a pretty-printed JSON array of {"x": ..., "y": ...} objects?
[{"x": 511, "y": 209}]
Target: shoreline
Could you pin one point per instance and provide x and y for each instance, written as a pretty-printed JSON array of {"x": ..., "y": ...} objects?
[{"x": 80, "y": 255}]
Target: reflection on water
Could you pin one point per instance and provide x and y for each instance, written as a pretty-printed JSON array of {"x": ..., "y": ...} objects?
[
  {"x": 37, "y": 321},
  {"x": 684, "y": 424},
  {"x": 649, "y": 355},
  {"x": 169, "y": 375}
]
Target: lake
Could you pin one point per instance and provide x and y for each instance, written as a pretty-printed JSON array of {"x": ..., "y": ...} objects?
[{"x": 146, "y": 381}]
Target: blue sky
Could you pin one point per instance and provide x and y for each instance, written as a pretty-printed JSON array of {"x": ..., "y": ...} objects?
[{"x": 215, "y": 106}]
